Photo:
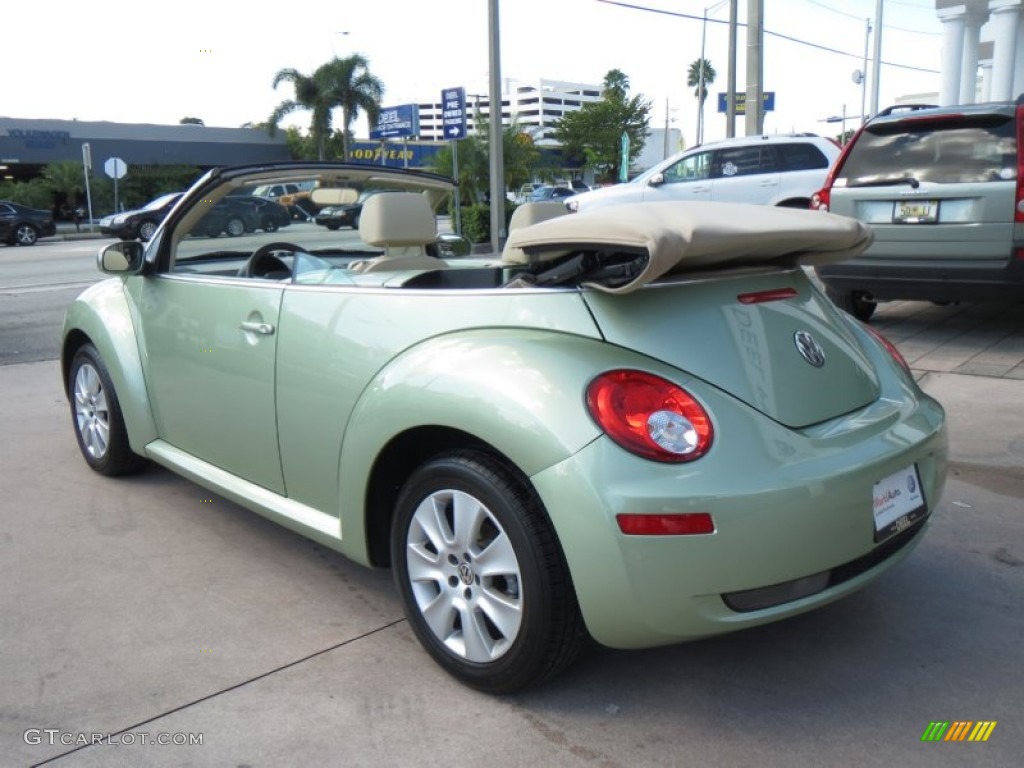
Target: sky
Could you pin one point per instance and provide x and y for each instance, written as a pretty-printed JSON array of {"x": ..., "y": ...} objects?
[{"x": 131, "y": 61}]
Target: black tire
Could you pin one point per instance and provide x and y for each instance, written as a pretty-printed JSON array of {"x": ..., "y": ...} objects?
[
  {"x": 146, "y": 229},
  {"x": 355, "y": 221},
  {"x": 96, "y": 416},
  {"x": 25, "y": 234},
  {"x": 530, "y": 595},
  {"x": 269, "y": 225},
  {"x": 234, "y": 227},
  {"x": 856, "y": 303},
  {"x": 332, "y": 227}
]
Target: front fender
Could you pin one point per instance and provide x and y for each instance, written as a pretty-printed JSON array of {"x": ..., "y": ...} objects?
[{"x": 102, "y": 314}]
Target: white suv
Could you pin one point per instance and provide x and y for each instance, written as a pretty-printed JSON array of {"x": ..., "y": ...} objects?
[{"x": 767, "y": 170}]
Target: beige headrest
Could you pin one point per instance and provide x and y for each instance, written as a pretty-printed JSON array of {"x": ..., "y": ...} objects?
[{"x": 397, "y": 219}]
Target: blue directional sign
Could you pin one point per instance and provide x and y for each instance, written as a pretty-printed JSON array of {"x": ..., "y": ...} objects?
[
  {"x": 767, "y": 98},
  {"x": 453, "y": 113},
  {"x": 397, "y": 122}
]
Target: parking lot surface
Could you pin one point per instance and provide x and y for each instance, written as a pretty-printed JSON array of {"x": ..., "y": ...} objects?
[{"x": 144, "y": 609}]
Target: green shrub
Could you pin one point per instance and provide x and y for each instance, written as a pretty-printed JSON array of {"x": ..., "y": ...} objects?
[{"x": 476, "y": 222}]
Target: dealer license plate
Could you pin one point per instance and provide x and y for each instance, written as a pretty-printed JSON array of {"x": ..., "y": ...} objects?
[
  {"x": 915, "y": 212},
  {"x": 898, "y": 502}
]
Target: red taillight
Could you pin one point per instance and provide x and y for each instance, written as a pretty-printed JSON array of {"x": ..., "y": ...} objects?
[
  {"x": 822, "y": 199},
  {"x": 1018, "y": 209},
  {"x": 649, "y": 416},
  {"x": 890, "y": 348},
  {"x": 681, "y": 524}
]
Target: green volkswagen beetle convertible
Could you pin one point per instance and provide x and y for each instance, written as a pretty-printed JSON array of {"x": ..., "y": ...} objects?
[{"x": 640, "y": 425}]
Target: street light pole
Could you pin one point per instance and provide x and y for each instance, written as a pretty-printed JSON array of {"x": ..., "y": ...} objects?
[{"x": 700, "y": 80}]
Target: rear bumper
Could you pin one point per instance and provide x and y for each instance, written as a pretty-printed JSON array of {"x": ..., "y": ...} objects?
[
  {"x": 1001, "y": 280},
  {"x": 792, "y": 511}
]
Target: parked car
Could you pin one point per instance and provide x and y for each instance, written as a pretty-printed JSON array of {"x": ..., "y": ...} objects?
[
  {"x": 549, "y": 192},
  {"x": 342, "y": 207},
  {"x": 645, "y": 424},
  {"x": 142, "y": 223},
  {"x": 272, "y": 215},
  {"x": 943, "y": 189},
  {"x": 20, "y": 225},
  {"x": 782, "y": 170},
  {"x": 233, "y": 216}
]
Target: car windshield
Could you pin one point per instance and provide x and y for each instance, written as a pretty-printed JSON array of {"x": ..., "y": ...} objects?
[
  {"x": 161, "y": 201},
  {"x": 320, "y": 222},
  {"x": 945, "y": 151}
]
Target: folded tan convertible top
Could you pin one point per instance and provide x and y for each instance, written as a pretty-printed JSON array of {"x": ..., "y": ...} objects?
[{"x": 682, "y": 237}]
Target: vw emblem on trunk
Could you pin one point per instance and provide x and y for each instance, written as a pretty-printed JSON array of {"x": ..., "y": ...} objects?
[{"x": 809, "y": 349}]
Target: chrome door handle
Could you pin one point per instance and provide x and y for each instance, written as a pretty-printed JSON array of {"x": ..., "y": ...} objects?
[{"x": 264, "y": 329}]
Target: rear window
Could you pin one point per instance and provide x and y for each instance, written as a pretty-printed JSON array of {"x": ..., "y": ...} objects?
[
  {"x": 947, "y": 152},
  {"x": 800, "y": 157}
]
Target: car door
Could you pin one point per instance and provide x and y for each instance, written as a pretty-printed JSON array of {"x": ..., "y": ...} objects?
[
  {"x": 8, "y": 216},
  {"x": 689, "y": 178},
  {"x": 210, "y": 343},
  {"x": 745, "y": 174}
]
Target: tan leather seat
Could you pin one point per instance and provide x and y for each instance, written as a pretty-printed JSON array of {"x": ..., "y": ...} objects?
[{"x": 403, "y": 224}]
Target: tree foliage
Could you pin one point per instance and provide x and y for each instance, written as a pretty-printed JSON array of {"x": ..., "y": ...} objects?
[
  {"x": 344, "y": 84},
  {"x": 592, "y": 135},
  {"x": 522, "y": 160},
  {"x": 191, "y": 121},
  {"x": 693, "y": 78},
  {"x": 66, "y": 179}
]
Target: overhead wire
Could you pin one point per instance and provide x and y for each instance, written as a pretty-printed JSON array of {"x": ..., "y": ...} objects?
[{"x": 790, "y": 38}]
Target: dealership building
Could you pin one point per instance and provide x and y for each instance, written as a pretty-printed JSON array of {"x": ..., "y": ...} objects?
[{"x": 28, "y": 145}]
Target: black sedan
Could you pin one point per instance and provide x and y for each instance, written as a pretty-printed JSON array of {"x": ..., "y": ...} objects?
[
  {"x": 140, "y": 224},
  {"x": 344, "y": 214},
  {"x": 23, "y": 226},
  {"x": 272, "y": 214},
  {"x": 233, "y": 216}
]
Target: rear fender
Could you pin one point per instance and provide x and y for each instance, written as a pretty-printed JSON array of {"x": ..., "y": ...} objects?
[
  {"x": 520, "y": 392},
  {"x": 101, "y": 315}
]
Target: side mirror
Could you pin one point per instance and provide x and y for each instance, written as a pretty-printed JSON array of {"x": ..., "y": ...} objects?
[
  {"x": 119, "y": 258},
  {"x": 450, "y": 245},
  {"x": 656, "y": 180}
]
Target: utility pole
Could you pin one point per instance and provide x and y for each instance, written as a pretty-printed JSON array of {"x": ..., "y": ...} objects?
[
  {"x": 755, "y": 67},
  {"x": 730, "y": 94},
  {"x": 878, "y": 58},
  {"x": 497, "y": 158}
]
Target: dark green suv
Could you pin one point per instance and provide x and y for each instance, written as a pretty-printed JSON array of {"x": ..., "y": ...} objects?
[{"x": 943, "y": 189}]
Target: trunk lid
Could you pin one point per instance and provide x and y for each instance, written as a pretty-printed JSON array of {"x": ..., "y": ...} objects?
[{"x": 749, "y": 350}]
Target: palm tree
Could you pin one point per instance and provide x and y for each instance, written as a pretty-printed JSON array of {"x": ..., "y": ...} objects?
[
  {"x": 693, "y": 79},
  {"x": 349, "y": 85},
  {"x": 699, "y": 76},
  {"x": 345, "y": 83},
  {"x": 308, "y": 96}
]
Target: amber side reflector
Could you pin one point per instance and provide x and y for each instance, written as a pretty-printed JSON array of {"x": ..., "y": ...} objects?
[
  {"x": 681, "y": 524},
  {"x": 760, "y": 297}
]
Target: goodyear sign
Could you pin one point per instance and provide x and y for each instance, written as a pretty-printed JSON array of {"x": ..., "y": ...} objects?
[{"x": 397, "y": 122}]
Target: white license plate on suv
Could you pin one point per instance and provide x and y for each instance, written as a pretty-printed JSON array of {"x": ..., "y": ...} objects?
[
  {"x": 915, "y": 212},
  {"x": 898, "y": 502}
]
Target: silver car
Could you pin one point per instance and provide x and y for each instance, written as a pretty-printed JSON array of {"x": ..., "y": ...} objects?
[{"x": 943, "y": 189}]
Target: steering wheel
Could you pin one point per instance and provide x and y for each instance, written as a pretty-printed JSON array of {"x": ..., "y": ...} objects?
[{"x": 264, "y": 263}]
